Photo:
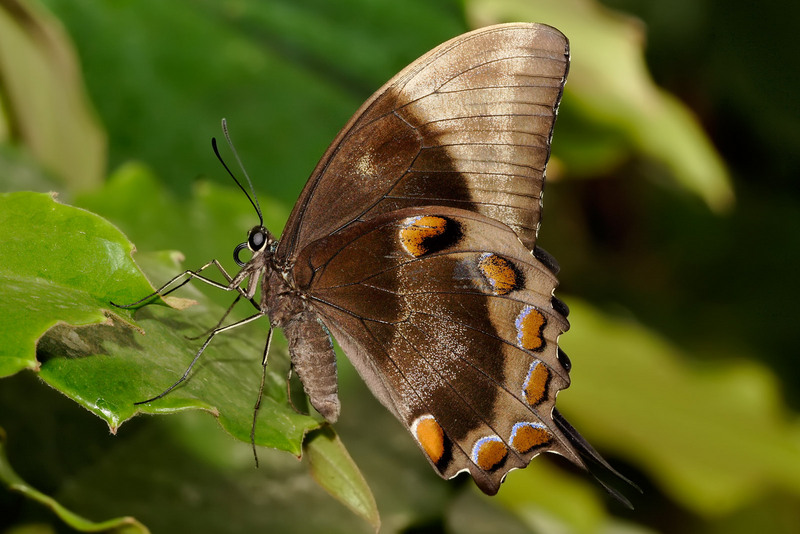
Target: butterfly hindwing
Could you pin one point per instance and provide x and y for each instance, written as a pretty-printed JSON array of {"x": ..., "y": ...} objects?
[{"x": 449, "y": 319}]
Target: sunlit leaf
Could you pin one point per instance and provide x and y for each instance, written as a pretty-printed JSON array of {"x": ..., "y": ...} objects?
[
  {"x": 57, "y": 264},
  {"x": 715, "y": 436}
]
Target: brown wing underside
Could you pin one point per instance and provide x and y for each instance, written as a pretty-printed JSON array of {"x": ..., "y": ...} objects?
[
  {"x": 467, "y": 125},
  {"x": 451, "y": 323}
]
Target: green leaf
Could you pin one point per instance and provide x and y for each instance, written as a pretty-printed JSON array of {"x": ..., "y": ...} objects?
[
  {"x": 64, "y": 265},
  {"x": 44, "y": 105},
  {"x": 57, "y": 264},
  {"x": 610, "y": 86},
  {"x": 8, "y": 477},
  {"x": 108, "y": 368},
  {"x": 334, "y": 470},
  {"x": 715, "y": 436}
]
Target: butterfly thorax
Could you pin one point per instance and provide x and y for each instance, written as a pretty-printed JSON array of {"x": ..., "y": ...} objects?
[{"x": 279, "y": 298}]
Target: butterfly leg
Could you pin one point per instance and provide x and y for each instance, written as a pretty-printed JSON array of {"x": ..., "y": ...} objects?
[
  {"x": 224, "y": 316},
  {"x": 219, "y": 323},
  {"x": 192, "y": 275},
  {"x": 196, "y": 275},
  {"x": 260, "y": 393},
  {"x": 199, "y": 352}
]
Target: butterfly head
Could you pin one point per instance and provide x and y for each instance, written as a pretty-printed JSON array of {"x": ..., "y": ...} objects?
[{"x": 259, "y": 241}]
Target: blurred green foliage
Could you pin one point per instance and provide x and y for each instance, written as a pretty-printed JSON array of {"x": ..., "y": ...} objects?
[{"x": 672, "y": 209}]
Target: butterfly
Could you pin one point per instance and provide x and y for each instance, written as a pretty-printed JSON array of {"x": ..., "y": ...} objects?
[{"x": 413, "y": 244}]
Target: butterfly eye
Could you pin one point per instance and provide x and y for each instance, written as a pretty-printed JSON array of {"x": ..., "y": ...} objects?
[{"x": 257, "y": 238}]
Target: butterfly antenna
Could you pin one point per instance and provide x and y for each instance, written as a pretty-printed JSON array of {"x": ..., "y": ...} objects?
[
  {"x": 254, "y": 204},
  {"x": 252, "y": 195}
]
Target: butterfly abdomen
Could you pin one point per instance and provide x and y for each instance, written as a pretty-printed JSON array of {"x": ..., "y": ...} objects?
[{"x": 314, "y": 361}]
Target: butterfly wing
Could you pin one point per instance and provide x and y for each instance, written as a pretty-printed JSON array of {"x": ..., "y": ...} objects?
[
  {"x": 412, "y": 243},
  {"x": 467, "y": 125},
  {"x": 452, "y": 323}
]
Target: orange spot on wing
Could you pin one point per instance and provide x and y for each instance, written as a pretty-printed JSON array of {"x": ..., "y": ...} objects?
[
  {"x": 415, "y": 236},
  {"x": 535, "y": 387},
  {"x": 527, "y": 436},
  {"x": 489, "y": 452},
  {"x": 530, "y": 325},
  {"x": 430, "y": 436},
  {"x": 498, "y": 272}
]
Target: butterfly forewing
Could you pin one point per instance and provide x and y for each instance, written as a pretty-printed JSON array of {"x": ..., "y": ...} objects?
[{"x": 467, "y": 125}]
